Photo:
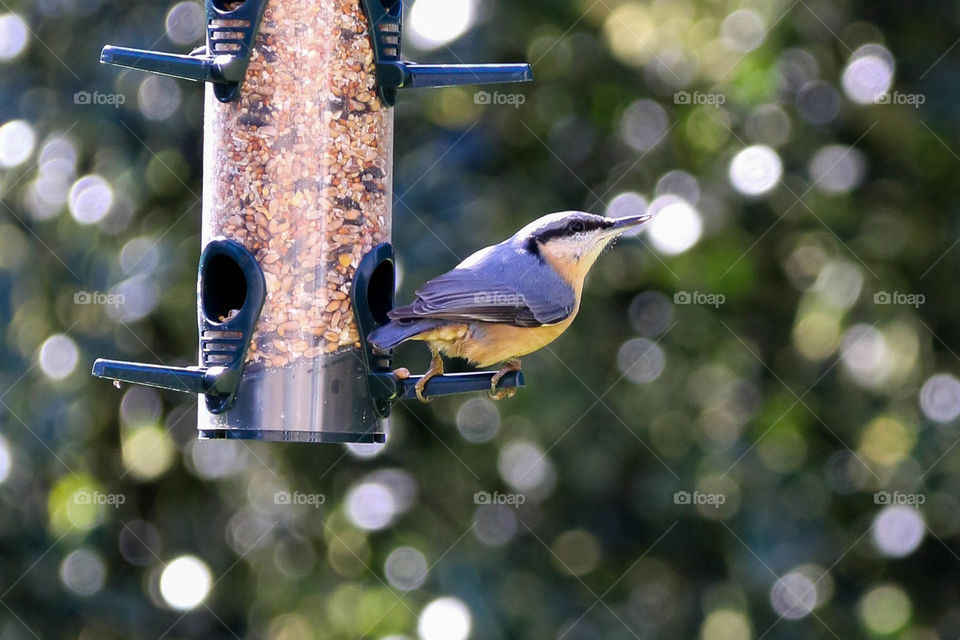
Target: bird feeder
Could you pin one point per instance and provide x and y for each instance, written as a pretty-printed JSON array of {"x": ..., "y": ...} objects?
[{"x": 297, "y": 266}]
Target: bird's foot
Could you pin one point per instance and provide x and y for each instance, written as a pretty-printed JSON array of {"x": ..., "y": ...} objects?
[
  {"x": 421, "y": 383},
  {"x": 500, "y": 394},
  {"x": 436, "y": 369}
]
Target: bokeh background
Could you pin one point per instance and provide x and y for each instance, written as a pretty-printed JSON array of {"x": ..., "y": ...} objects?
[{"x": 749, "y": 432}]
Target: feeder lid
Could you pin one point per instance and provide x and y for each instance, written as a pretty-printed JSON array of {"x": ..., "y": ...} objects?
[{"x": 230, "y": 36}]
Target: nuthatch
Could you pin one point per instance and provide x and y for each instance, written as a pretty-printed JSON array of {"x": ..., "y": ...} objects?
[{"x": 508, "y": 300}]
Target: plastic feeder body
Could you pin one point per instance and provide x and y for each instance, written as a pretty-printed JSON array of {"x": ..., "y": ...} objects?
[{"x": 299, "y": 171}]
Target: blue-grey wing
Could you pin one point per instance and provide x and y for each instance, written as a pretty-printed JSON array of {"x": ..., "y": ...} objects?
[{"x": 501, "y": 284}]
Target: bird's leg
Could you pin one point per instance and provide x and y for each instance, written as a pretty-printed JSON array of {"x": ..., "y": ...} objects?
[
  {"x": 436, "y": 369},
  {"x": 499, "y": 394}
]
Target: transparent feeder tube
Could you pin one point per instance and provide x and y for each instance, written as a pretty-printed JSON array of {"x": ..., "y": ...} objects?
[{"x": 299, "y": 171}]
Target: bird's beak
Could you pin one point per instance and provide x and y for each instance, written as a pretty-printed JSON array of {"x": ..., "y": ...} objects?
[{"x": 628, "y": 222}]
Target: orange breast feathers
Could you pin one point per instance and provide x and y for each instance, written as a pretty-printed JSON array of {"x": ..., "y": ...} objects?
[
  {"x": 487, "y": 343},
  {"x": 493, "y": 343}
]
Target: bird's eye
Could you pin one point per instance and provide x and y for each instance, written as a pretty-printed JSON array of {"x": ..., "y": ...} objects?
[{"x": 576, "y": 226}]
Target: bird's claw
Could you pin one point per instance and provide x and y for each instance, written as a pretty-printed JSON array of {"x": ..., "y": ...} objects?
[
  {"x": 436, "y": 369},
  {"x": 419, "y": 389},
  {"x": 500, "y": 394}
]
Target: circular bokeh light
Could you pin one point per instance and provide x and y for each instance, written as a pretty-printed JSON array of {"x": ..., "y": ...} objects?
[
  {"x": 676, "y": 227},
  {"x": 445, "y": 619},
  {"x": 898, "y": 530},
  {"x": 185, "y": 582},
  {"x": 58, "y": 356},
  {"x": 17, "y": 141},
  {"x": 940, "y": 398},
  {"x": 14, "y": 35},
  {"x": 435, "y": 23},
  {"x": 755, "y": 170}
]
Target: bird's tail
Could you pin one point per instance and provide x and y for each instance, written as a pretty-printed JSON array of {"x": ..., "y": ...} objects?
[{"x": 390, "y": 335}]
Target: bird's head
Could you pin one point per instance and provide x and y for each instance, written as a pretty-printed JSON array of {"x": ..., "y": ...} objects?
[{"x": 571, "y": 241}]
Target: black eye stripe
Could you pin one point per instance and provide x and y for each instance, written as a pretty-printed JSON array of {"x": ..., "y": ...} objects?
[{"x": 572, "y": 227}]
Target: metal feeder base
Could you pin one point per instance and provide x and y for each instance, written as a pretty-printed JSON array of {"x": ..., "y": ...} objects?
[{"x": 302, "y": 402}]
